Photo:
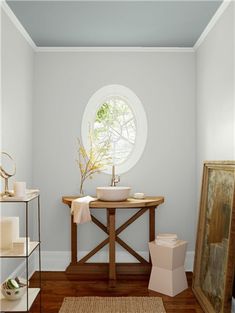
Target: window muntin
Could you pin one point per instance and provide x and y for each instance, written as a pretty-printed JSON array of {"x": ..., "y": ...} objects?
[{"x": 115, "y": 122}]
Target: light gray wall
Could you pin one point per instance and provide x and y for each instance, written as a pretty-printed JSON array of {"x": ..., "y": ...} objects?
[
  {"x": 17, "y": 63},
  {"x": 165, "y": 83},
  {"x": 215, "y": 64},
  {"x": 17, "y": 93}
]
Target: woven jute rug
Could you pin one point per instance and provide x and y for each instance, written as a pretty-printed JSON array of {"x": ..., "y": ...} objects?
[{"x": 112, "y": 305}]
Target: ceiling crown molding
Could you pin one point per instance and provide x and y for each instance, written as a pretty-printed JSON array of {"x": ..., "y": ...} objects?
[
  {"x": 114, "y": 49},
  {"x": 17, "y": 24},
  {"x": 212, "y": 23}
]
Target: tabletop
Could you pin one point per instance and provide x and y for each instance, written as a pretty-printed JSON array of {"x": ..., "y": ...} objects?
[{"x": 129, "y": 203}]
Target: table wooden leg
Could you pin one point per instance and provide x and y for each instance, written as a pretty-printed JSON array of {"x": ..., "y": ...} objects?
[
  {"x": 107, "y": 221},
  {"x": 112, "y": 235},
  {"x": 73, "y": 241},
  {"x": 151, "y": 226}
]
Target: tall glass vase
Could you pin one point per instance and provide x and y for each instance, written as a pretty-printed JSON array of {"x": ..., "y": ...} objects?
[{"x": 81, "y": 189}]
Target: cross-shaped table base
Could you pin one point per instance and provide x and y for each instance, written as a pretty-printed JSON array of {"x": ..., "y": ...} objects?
[{"x": 112, "y": 268}]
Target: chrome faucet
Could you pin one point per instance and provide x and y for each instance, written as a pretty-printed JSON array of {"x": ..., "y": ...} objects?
[{"x": 115, "y": 178}]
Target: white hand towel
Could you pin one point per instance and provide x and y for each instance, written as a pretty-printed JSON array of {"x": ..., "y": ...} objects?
[{"x": 80, "y": 209}]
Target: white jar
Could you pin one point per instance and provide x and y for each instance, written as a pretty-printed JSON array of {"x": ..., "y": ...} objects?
[{"x": 19, "y": 189}]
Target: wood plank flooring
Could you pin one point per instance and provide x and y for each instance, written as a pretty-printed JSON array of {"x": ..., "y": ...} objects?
[{"x": 56, "y": 286}]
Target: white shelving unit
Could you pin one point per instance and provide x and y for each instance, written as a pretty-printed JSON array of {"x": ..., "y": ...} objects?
[{"x": 24, "y": 304}]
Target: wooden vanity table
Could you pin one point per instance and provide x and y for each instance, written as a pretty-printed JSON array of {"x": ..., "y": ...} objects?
[{"x": 112, "y": 270}]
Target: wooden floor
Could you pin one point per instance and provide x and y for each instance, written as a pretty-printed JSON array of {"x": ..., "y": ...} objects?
[{"x": 56, "y": 286}]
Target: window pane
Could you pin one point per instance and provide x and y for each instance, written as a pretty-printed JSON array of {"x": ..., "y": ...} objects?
[{"x": 115, "y": 122}]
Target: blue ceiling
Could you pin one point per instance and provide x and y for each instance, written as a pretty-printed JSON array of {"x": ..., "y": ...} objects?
[{"x": 114, "y": 23}]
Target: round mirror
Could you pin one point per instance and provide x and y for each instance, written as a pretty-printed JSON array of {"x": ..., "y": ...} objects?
[{"x": 7, "y": 170}]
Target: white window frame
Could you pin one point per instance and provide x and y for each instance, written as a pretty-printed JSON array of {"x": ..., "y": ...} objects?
[{"x": 94, "y": 103}]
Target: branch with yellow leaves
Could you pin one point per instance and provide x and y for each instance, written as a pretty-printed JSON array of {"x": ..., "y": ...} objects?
[{"x": 93, "y": 160}]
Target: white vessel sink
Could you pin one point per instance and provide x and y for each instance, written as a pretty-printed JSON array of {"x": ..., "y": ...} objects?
[{"x": 113, "y": 193}]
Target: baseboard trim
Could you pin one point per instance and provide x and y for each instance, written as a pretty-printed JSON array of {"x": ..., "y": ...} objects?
[
  {"x": 59, "y": 260},
  {"x": 20, "y": 271},
  {"x": 189, "y": 261}
]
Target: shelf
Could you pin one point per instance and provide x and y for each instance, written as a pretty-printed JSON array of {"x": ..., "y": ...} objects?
[
  {"x": 11, "y": 253},
  {"x": 31, "y": 293},
  {"x": 30, "y": 195},
  {"x": 21, "y": 304}
]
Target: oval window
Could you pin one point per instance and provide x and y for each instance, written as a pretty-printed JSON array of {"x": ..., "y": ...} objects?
[{"x": 115, "y": 114}]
